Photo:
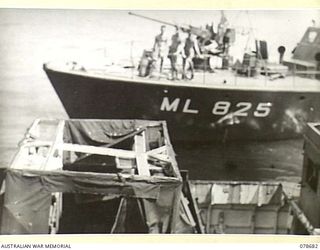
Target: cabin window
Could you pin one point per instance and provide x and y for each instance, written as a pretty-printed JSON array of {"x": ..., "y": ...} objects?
[
  {"x": 312, "y": 175},
  {"x": 312, "y": 35}
]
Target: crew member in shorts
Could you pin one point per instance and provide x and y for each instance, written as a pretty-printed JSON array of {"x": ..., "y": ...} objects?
[
  {"x": 191, "y": 48},
  {"x": 160, "y": 47},
  {"x": 176, "y": 53}
]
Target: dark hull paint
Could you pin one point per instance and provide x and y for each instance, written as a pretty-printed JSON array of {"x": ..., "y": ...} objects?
[
  {"x": 89, "y": 97},
  {"x": 236, "y": 148}
]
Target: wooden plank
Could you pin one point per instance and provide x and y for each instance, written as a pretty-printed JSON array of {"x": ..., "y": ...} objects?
[
  {"x": 115, "y": 142},
  {"x": 160, "y": 157},
  {"x": 159, "y": 150},
  {"x": 30, "y": 142},
  {"x": 155, "y": 168},
  {"x": 98, "y": 150},
  {"x": 125, "y": 167},
  {"x": 185, "y": 205},
  {"x": 33, "y": 130},
  {"x": 123, "y": 163},
  {"x": 37, "y": 143},
  {"x": 53, "y": 148},
  {"x": 208, "y": 219},
  {"x": 16, "y": 162},
  {"x": 141, "y": 156},
  {"x": 198, "y": 216},
  {"x": 301, "y": 216}
]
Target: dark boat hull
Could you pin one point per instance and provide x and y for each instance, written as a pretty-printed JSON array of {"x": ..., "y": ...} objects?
[
  {"x": 189, "y": 111},
  {"x": 240, "y": 127}
]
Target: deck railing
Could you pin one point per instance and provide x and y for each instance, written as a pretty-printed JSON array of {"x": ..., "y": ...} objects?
[
  {"x": 134, "y": 52},
  {"x": 267, "y": 74}
]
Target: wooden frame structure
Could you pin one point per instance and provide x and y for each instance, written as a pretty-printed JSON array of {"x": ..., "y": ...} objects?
[{"x": 147, "y": 172}]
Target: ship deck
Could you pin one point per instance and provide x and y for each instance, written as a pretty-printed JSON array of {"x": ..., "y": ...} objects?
[{"x": 220, "y": 79}]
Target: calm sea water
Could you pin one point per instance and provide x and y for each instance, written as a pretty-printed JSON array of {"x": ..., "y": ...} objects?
[{"x": 31, "y": 37}]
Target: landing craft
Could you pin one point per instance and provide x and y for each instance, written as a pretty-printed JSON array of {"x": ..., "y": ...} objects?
[{"x": 245, "y": 110}]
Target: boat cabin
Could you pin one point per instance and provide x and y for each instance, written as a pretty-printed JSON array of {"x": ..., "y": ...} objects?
[
  {"x": 309, "y": 46},
  {"x": 309, "y": 201},
  {"x": 306, "y": 56}
]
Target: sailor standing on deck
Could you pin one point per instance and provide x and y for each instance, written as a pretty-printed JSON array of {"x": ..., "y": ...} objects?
[
  {"x": 191, "y": 48},
  {"x": 160, "y": 47},
  {"x": 176, "y": 52}
]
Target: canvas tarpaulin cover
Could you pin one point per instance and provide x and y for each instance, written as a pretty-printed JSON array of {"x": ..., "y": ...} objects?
[
  {"x": 28, "y": 193},
  {"x": 99, "y": 132},
  {"x": 28, "y": 197}
]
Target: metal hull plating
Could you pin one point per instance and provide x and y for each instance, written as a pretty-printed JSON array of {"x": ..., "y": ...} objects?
[{"x": 198, "y": 114}]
